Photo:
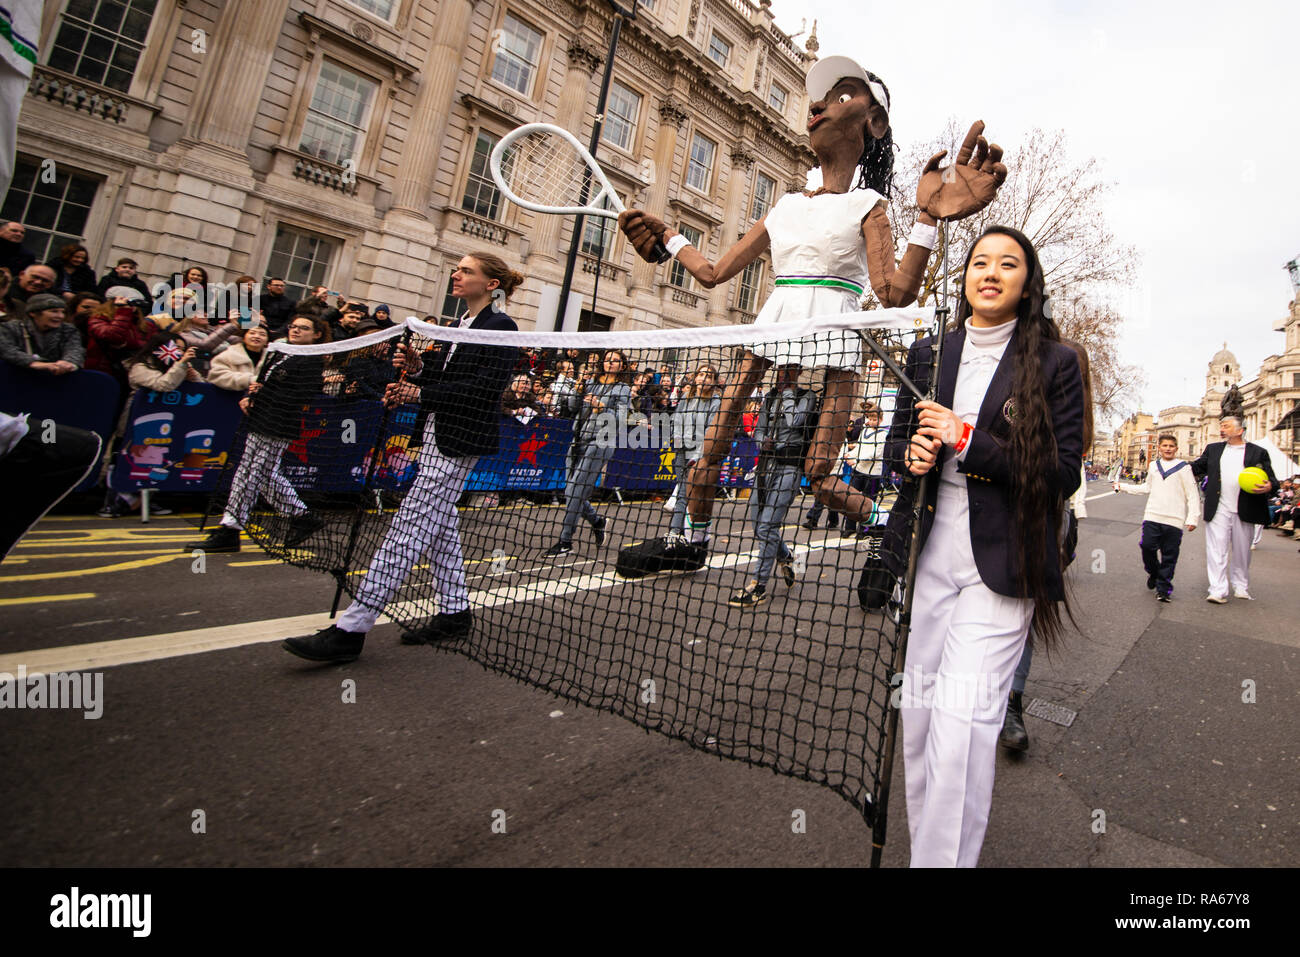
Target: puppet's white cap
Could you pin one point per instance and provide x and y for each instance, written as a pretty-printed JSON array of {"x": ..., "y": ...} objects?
[{"x": 826, "y": 73}]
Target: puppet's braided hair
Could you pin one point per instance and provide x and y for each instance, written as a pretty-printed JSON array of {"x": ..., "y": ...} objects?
[{"x": 877, "y": 160}]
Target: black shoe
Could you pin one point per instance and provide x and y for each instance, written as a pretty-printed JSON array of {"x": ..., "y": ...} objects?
[
  {"x": 558, "y": 549},
  {"x": 302, "y": 528},
  {"x": 1164, "y": 596},
  {"x": 1151, "y": 582},
  {"x": 787, "y": 572},
  {"x": 331, "y": 644},
  {"x": 223, "y": 538},
  {"x": 442, "y": 627},
  {"x": 672, "y": 553},
  {"x": 831, "y": 524},
  {"x": 811, "y": 525},
  {"x": 863, "y": 532},
  {"x": 754, "y": 594},
  {"x": 598, "y": 527},
  {"x": 1014, "y": 737}
]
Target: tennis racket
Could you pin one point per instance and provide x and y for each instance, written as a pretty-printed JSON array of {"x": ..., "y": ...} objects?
[{"x": 544, "y": 168}]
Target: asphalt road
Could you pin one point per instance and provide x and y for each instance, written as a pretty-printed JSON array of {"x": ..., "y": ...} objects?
[{"x": 1164, "y": 765}]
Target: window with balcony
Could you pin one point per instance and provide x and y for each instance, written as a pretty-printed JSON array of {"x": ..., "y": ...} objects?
[
  {"x": 621, "y": 112},
  {"x": 101, "y": 40},
  {"x": 453, "y": 307},
  {"x": 764, "y": 196},
  {"x": 598, "y": 234},
  {"x": 518, "y": 54},
  {"x": 482, "y": 198},
  {"x": 747, "y": 289},
  {"x": 334, "y": 130},
  {"x": 677, "y": 274},
  {"x": 699, "y": 167}
]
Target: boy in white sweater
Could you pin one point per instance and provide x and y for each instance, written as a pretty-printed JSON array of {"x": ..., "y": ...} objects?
[{"x": 1172, "y": 502}]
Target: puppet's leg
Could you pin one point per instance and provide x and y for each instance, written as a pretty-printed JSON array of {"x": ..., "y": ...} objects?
[
  {"x": 824, "y": 453},
  {"x": 717, "y": 440}
]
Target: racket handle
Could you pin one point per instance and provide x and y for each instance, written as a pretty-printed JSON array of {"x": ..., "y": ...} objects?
[{"x": 661, "y": 254}]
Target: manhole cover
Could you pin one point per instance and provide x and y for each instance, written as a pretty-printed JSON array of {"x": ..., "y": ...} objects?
[{"x": 1054, "y": 713}]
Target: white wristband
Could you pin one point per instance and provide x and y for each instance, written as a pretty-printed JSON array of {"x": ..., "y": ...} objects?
[
  {"x": 676, "y": 244},
  {"x": 923, "y": 235}
]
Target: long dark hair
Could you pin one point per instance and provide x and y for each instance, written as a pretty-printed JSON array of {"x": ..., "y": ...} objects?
[
  {"x": 877, "y": 159},
  {"x": 1037, "y": 509}
]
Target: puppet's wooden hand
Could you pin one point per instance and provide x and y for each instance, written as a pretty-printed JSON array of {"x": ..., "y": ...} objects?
[
  {"x": 643, "y": 231},
  {"x": 966, "y": 187}
]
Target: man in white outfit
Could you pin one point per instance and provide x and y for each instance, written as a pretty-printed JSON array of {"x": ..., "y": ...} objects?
[{"x": 1230, "y": 511}]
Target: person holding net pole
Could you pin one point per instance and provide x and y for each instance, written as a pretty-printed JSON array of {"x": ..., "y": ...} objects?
[
  {"x": 1004, "y": 436},
  {"x": 460, "y": 386},
  {"x": 826, "y": 244}
]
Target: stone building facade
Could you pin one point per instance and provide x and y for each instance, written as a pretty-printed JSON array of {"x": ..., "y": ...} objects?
[
  {"x": 1268, "y": 397},
  {"x": 344, "y": 142}
]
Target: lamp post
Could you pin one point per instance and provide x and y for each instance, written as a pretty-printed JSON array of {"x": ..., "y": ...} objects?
[{"x": 620, "y": 14}]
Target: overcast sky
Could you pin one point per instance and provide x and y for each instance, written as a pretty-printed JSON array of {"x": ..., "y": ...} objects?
[{"x": 1191, "y": 108}]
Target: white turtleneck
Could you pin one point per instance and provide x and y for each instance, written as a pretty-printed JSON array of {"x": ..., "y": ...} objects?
[{"x": 980, "y": 355}]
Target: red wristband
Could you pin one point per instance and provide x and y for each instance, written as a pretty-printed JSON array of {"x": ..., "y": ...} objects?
[{"x": 964, "y": 440}]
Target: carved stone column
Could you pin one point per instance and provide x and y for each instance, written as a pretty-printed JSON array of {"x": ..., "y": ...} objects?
[
  {"x": 584, "y": 60},
  {"x": 672, "y": 116},
  {"x": 238, "y": 61},
  {"x": 734, "y": 219},
  {"x": 413, "y": 184}
]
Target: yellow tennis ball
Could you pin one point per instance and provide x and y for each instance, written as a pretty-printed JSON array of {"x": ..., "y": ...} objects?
[{"x": 1250, "y": 477}]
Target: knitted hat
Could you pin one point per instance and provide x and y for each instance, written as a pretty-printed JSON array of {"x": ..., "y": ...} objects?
[
  {"x": 44, "y": 300},
  {"x": 130, "y": 293}
]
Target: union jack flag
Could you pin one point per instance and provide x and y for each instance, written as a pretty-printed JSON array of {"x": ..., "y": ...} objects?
[{"x": 168, "y": 352}]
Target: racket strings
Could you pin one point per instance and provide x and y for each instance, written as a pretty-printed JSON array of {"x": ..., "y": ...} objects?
[{"x": 548, "y": 171}]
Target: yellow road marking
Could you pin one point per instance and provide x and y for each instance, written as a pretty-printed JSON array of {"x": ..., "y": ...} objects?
[
  {"x": 42, "y": 599},
  {"x": 269, "y": 561},
  {"x": 138, "y": 552},
  {"x": 97, "y": 519},
  {"x": 79, "y": 572}
]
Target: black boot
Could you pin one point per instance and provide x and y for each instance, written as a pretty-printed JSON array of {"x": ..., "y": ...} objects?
[
  {"x": 1014, "y": 737},
  {"x": 223, "y": 538},
  {"x": 332, "y": 645}
]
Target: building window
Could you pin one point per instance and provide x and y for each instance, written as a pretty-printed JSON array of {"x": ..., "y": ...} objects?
[
  {"x": 747, "y": 291},
  {"x": 453, "y": 307},
  {"x": 776, "y": 97},
  {"x": 621, "y": 112},
  {"x": 677, "y": 274},
  {"x": 699, "y": 169},
  {"x": 54, "y": 213},
  {"x": 519, "y": 51},
  {"x": 719, "y": 50},
  {"x": 302, "y": 259},
  {"x": 482, "y": 198},
  {"x": 383, "y": 9},
  {"x": 336, "y": 117},
  {"x": 598, "y": 233},
  {"x": 101, "y": 40},
  {"x": 764, "y": 194}
]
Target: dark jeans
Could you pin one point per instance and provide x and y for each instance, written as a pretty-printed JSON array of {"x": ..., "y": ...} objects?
[{"x": 1160, "y": 544}]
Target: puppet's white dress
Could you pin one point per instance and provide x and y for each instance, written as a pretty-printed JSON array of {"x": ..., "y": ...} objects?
[{"x": 820, "y": 261}]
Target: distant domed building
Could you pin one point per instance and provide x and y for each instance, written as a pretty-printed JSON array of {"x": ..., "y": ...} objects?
[{"x": 1266, "y": 398}]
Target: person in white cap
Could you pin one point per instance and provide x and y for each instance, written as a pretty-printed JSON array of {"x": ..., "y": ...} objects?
[{"x": 826, "y": 245}]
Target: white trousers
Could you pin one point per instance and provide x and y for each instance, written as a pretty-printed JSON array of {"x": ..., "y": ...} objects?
[
  {"x": 962, "y": 654},
  {"x": 259, "y": 475},
  {"x": 428, "y": 523},
  {"x": 1227, "y": 541}
]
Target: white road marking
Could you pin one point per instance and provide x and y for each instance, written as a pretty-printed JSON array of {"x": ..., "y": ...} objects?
[{"x": 123, "y": 651}]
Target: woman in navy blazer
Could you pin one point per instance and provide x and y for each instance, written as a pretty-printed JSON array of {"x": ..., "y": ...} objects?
[{"x": 1004, "y": 436}]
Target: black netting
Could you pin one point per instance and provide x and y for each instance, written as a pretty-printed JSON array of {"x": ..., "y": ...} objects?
[{"x": 794, "y": 677}]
